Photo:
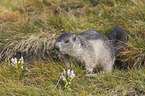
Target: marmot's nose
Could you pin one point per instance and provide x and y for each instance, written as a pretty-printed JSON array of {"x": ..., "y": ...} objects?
[{"x": 56, "y": 47}]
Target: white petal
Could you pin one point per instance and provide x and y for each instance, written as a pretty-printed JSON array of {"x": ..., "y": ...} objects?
[
  {"x": 12, "y": 60},
  {"x": 64, "y": 79},
  {"x": 12, "y": 64},
  {"x": 22, "y": 59},
  {"x": 15, "y": 61},
  {"x": 64, "y": 71},
  {"x": 65, "y": 85},
  {"x": 68, "y": 72},
  {"x": 72, "y": 71}
]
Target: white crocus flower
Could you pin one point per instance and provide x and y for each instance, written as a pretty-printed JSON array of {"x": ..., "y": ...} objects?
[
  {"x": 15, "y": 63},
  {"x": 21, "y": 60},
  {"x": 67, "y": 77}
]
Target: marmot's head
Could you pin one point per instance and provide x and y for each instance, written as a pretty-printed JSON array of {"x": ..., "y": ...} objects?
[{"x": 68, "y": 43}]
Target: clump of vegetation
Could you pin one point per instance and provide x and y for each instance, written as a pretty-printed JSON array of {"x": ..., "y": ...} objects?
[
  {"x": 67, "y": 77},
  {"x": 29, "y": 29}
]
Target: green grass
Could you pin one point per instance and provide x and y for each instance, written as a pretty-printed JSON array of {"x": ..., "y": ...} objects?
[
  {"x": 30, "y": 27},
  {"x": 43, "y": 79}
]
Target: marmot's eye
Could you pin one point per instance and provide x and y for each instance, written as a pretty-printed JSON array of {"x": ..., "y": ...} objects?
[
  {"x": 66, "y": 41},
  {"x": 74, "y": 39}
]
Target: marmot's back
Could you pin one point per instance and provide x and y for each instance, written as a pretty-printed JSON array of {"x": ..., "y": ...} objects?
[{"x": 93, "y": 35}]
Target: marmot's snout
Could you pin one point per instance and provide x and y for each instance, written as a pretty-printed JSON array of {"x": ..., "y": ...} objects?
[{"x": 57, "y": 47}]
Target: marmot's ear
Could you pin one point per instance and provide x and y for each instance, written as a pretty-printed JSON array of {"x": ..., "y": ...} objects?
[{"x": 74, "y": 38}]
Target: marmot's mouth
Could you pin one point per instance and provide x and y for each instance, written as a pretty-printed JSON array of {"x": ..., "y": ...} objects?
[{"x": 64, "y": 53}]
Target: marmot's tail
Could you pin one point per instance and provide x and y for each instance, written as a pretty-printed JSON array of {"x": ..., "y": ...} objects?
[{"x": 116, "y": 35}]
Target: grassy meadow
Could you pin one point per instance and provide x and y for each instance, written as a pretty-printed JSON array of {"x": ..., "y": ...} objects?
[{"x": 29, "y": 28}]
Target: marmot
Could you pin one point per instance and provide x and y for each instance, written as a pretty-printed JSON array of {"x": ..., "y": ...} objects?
[{"x": 92, "y": 48}]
